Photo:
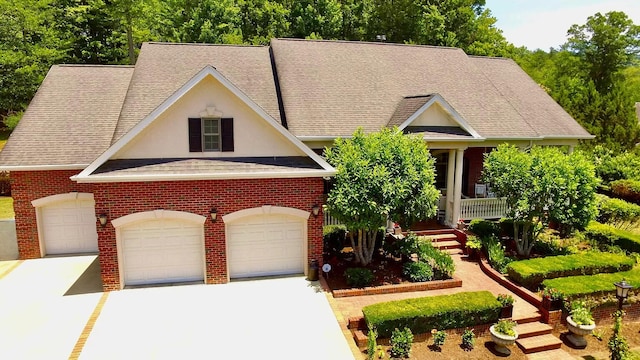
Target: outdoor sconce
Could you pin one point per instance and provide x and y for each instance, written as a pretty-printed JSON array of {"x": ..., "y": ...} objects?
[
  {"x": 103, "y": 219},
  {"x": 214, "y": 214},
  {"x": 315, "y": 210},
  {"x": 622, "y": 291}
]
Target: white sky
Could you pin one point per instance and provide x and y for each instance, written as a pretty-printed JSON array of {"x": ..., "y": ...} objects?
[{"x": 544, "y": 23}]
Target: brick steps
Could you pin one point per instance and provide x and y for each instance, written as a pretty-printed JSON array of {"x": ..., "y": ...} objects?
[
  {"x": 443, "y": 237},
  {"x": 557, "y": 354},
  {"x": 532, "y": 329},
  {"x": 539, "y": 343},
  {"x": 528, "y": 319},
  {"x": 449, "y": 244}
]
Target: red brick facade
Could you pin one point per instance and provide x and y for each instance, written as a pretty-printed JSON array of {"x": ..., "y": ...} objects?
[
  {"x": 197, "y": 197},
  {"x": 27, "y": 186},
  {"x": 474, "y": 157}
]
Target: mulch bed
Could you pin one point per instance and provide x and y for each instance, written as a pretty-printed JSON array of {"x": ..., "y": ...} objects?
[{"x": 386, "y": 271}]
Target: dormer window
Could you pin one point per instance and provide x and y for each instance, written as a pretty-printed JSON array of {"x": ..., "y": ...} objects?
[{"x": 208, "y": 134}]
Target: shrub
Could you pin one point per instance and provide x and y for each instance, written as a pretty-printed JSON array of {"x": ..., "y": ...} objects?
[
  {"x": 417, "y": 271},
  {"x": 437, "y": 312},
  {"x": 580, "y": 314},
  {"x": 372, "y": 344},
  {"x": 401, "y": 341},
  {"x": 495, "y": 251},
  {"x": 505, "y": 299},
  {"x": 618, "y": 345},
  {"x": 627, "y": 189},
  {"x": 552, "y": 293},
  {"x": 610, "y": 168},
  {"x": 11, "y": 120},
  {"x": 468, "y": 339},
  {"x": 551, "y": 244},
  {"x": 530, "y": 273},
  {"x": 604, "y": 234},
  {"x": 599, "y": 284},
  {"x": 334, "y": 238},
  {"x": 441, "y": 262},
  {"x": 484, "y": 228},
  {"x": 473, "y": 242},
  {"x": 439, "y": 337},
  {"x": 506, "y": 327},
  {"x": 5, "y": 183},
  {"x": 617, "y": 212},
  {"x": 358, "y": 277}
]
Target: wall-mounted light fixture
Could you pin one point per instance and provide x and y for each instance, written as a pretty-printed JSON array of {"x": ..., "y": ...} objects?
[
  {"x": 103, "y": 219},
  {"x": 315, "y": 210},
  {"x": 214, "y": 214}
]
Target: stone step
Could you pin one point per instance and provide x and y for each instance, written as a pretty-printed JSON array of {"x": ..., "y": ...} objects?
[
  {"x": 454, "y": 251},
  {"x": 443, "y": 237},
  {"x": 557, "y": 354},
  {"x": 532, "y": 329},
  {"x": 539, "y": 343},
  {"x": 528, "y": 318},
  {"x": 443, "y": 245}
]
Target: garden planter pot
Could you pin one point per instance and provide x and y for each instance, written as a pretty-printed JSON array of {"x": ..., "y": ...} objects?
[
  {"x": 551, "y": 305},
  {"x": 578, "y": 332},
  {"x": 506, "y": 312},
  {"x": 474, "y": 254},
  {"x": 502, "y": 341}
]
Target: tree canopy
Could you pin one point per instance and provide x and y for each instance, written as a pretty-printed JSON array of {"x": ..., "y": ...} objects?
[
  {"x": 380, "y": 175},
  {"x": 542, "y": 185}
]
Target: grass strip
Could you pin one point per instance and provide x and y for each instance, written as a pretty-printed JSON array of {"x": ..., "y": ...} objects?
[{"x": 599, "y": 284}]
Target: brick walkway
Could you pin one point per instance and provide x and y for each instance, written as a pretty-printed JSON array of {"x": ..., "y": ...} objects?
[{"x": 473, "y": 279}]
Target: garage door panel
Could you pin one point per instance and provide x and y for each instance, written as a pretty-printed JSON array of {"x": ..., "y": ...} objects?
[
  {"x": 69, "y": 227},
  {"x": 266, "y": 245},
  {"x": 161, "y": 251}
]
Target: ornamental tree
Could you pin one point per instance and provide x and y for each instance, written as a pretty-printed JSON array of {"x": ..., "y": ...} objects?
[
  {"x": 541, "y": 185},
  {"x": 380, "y": 175}
]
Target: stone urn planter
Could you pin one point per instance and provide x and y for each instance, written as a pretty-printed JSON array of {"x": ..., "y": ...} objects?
[
  {"x": 578, "y": 332},
  {"x": 502, "y": 341}
]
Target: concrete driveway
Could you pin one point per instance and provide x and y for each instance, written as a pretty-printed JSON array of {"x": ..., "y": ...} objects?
[{"x": 283, "y": 318}]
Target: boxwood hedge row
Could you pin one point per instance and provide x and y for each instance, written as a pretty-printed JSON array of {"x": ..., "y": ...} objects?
[
  {"x": 423, "y": 314},
  {"x": 607, "y": 234},
  {"x": 531, "y": 273},
  {"x": 599, "y": 284}
]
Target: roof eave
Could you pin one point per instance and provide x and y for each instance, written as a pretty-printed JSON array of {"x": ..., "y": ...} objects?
[
  {"x": 209, "y": 176},
  {"x": 42, "y": 167}
]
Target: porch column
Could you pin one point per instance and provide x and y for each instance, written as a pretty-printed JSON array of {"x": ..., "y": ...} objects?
[
  {"x": 457, "y": 191},
  {"x": 449, "y": 194}
]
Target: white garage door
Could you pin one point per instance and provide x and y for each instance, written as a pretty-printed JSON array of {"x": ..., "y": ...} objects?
[
  {"x": 162, "y": 251},
  {"x": 69, "y": 227},
  {"x": 264, "y": 245}
]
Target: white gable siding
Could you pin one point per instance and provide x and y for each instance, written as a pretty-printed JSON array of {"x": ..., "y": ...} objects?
[
  {"x": 167, "y": 136},
  {"x": 435, "y": 115}
]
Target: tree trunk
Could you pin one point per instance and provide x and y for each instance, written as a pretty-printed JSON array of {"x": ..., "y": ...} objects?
[{"x": 132, "y": 52}]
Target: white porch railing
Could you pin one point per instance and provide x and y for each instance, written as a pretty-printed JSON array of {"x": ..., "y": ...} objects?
[
  {"x": 483, "y": 208},
  {"x": 330, "y": 220}
]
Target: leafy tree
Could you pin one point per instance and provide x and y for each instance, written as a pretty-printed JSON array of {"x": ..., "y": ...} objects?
[
  {"x": 262, "y": 20},
  {"x": 321, "y": 17},
  {"x": 380, "y": 175},
  {"x": 606, "y": 43},
  {"x": 541, "y": 185}
]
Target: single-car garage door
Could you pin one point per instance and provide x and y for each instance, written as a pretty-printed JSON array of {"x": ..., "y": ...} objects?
[
  {"x": 69, "y": 226},
  {"x": 263, "y": 245},
  {"x": 162, "y": 251}
]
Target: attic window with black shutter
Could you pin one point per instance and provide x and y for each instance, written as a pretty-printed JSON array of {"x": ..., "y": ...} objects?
[{"x": 210, "y": 134}]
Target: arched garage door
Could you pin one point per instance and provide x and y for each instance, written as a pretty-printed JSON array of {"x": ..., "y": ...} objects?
[
  {"x": 266, "y": 244},
  {"x": 67, "y": 223},
  {"x": 160, "y": 248}
]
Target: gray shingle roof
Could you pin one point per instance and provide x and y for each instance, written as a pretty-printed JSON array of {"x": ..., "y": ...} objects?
[
  {"x": 206, "y": 166},
  {"x": 162, "y": 68},
  {"x": 330, "y": 88},
  {"x": 407, "y": 107},
  {"x": 71, "y": 118}
]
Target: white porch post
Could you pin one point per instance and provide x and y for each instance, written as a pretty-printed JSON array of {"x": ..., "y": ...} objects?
[
  {"x": 457, "y": 192},
  {"x": 450, "y": 174}
]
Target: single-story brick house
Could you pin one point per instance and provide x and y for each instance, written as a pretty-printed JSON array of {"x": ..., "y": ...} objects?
[{"x": 200, "y": 163}]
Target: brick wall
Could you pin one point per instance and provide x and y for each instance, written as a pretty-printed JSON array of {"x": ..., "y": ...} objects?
[
  {"x": 120, "y": 199},
  {"x": 30, "y": 185}
]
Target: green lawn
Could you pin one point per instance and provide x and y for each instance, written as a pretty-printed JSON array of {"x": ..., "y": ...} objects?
[
  {"x": 6, "y": 207},
  {"x": 4, "y": 135}
]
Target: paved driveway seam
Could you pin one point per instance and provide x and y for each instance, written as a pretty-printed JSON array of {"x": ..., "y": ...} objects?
[{"x": 82, "y": 340}]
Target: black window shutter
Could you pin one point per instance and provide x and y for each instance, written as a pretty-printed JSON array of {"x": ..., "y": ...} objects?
[
  {"x": 195, "y": 135},
  {"x": 227, "y": 134}
]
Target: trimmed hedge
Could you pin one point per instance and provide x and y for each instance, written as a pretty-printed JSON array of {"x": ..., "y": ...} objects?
[
  {"x": 616, "y": 210},
  {"x": 484, "y": 228},
  {"x": 435, "y": 312},
  {"x": 531, "y": 273},
  {"x": 626, "y": 189},
  {"x": 609, "y": 235},
  {"x": 599, "y": 284}
]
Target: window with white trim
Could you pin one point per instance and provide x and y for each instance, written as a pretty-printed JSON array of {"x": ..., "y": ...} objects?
[{"x": 210, "y": 134}]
